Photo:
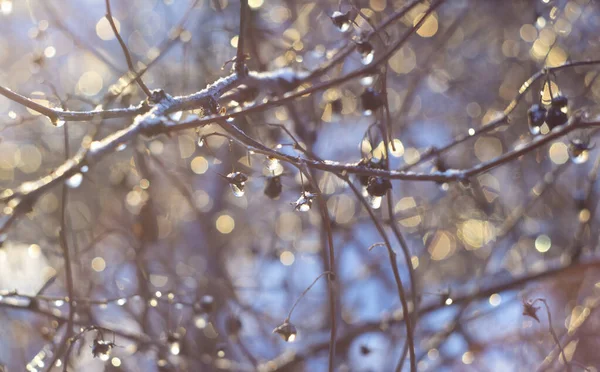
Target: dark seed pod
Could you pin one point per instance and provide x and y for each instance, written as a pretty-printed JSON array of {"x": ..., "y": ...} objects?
[
  {"x": 371, "y": 100},
  {"x": 341, "y": 20},
  {"x": 273, "y": 187},
  {"x": 536, "y": 116},
  {"x": 378, "y": 186}
]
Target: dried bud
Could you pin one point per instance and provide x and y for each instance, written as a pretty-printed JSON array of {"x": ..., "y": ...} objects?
[
  {"x": 378, "y": 186},
  {"x": 530, "y": 310},
  {"x": 536, "y": 116},
  {"x": 101, "y": 349}
]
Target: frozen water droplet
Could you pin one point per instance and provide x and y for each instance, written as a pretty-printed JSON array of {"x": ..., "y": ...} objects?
[
  {"x": 84, "y": 169},
  {"x": 366, "y": 80},
  {"x": 581, "y": 157},
  {"x": 75, "y": 180},
  {"x": 59, "y": 303},
  {"x": 200, "y": 142},
  {"x": 121, "y": 146},
  {"x": 367, "y": 57},
  {"x": 121, "y": 301},
  {"x": 374, "y": 201},
  {"x": 230, "y": 120},
  {"x": 175, "y": 348},
  {"x": 58, "y": 122},
  {"x": 176, "y": 116},
  {"x": 238, "y": 190},
  {"x": 304, "y": 202},
  {"x": 341, "y": 20},
  {"x": 274, "y": 167}
]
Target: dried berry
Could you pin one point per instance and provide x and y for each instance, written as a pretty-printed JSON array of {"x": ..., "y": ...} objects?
[
  {"x": 372, "y": 164},
  {"x": 273, "y": 187},
  {"x": 557, "y": 113},
  {"x": 337, "y": 106},
  {"x": 371, "y": 101},
  {"x": 537, "y": 116},
  {"x": 378, "y": 186}
]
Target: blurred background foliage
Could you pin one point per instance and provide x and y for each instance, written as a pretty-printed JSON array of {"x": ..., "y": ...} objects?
[{"x": 191, "y": 277}]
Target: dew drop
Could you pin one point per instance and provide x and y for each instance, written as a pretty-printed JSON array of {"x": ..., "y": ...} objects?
[
  {"x": 367, "y": 58},
  {"x": 58, "y": 122},
  {"x": 74, "y": 181},
  {"x": 579, "y": 157},
  {"x": 367, "y": 80},
  {"x": 341, "y": 20},
  {"x": 121, "y": 301},
  {"x": 59, "y": 303},
  {"x": 121, "y": 147},
  {"x": 84, "y": 169},
  {"x": 238, "y": 190},
  {"x": 374, "y": 201},
  {"x": 200, "y": 142}
]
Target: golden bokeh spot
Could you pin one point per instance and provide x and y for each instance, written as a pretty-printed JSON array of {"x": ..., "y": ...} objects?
[
  {"x": 225, "y": 224},
  {"x": 543, "y": 243},
  {"x": 559, "y": 153},
  {"x": 199, "y": 165},
  {"x": 404, "y": 204},
  {"x": 487, "y": 148},
  {"x": 429, "y": 27},
  {"x": 287, "y": 258},
  {"x": 98, "y": 264},
  {"x": 475, "y": 233},
  {"x": 441, "y": 246},
  {"x": 104, "y": 31}
]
